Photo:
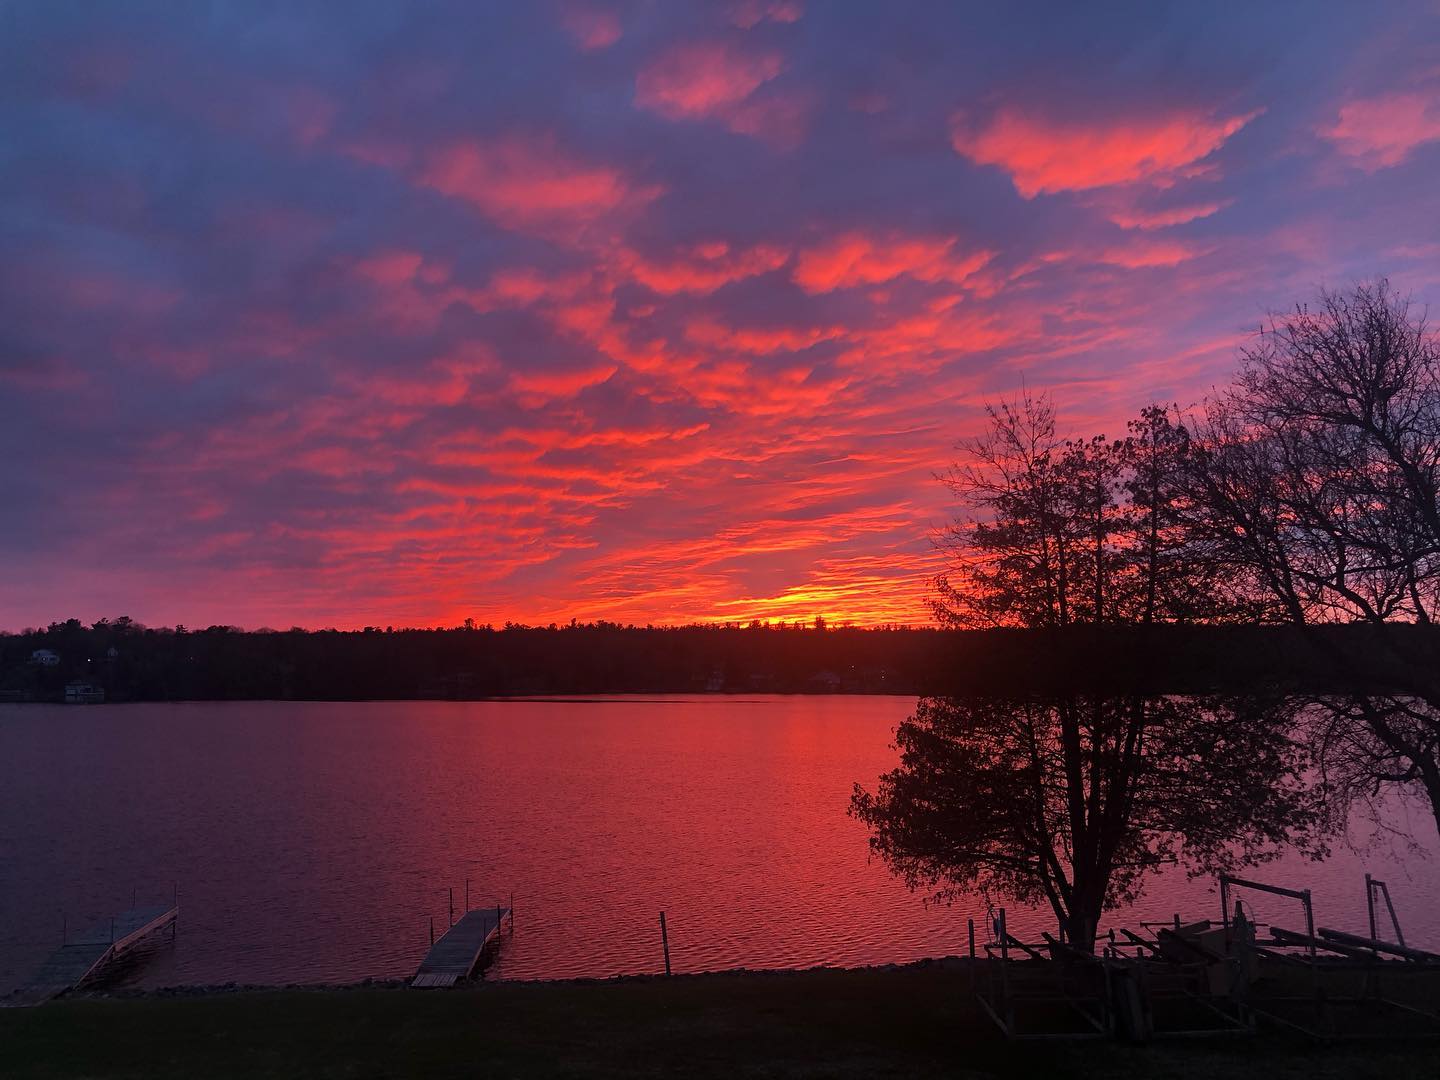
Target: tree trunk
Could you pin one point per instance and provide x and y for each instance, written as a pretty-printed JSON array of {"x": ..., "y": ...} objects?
[{"x": 1083, "y": 922}]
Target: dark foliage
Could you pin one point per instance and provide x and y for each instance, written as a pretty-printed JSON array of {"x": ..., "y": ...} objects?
[{"x": 1072, "y": 801}]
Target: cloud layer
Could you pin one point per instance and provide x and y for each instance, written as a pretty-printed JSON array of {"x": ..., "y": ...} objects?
[{"x": 654, "y": 313}]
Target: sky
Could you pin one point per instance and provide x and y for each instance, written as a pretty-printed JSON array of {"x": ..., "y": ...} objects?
[{"x": 399, "y": 314}]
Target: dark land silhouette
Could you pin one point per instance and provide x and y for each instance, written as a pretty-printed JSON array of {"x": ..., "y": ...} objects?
[{"x": 131, "y": 663}]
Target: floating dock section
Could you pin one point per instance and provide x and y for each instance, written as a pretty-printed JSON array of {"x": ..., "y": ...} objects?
[
  {"x": 457, "y": 954},
  {"x": 86, "y": 956}
]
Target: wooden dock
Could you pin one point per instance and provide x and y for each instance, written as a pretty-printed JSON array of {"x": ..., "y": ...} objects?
[
  {"x": 457, "y": 954},
  {"x": 86, "y": 956}
]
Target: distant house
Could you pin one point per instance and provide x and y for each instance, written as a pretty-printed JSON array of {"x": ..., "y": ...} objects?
[
  {"x": 45, "y": 658},
  {"x": 80, "y": 692}
]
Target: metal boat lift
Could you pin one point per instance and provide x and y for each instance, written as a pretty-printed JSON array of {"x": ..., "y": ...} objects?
[{"x": 1335, "y": 961}]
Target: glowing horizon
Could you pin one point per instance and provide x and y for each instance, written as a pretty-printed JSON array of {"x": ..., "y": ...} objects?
[{"x": 651, "y": 314}]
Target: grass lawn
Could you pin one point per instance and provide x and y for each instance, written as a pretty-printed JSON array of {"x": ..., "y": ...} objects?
[{"x": 911, "y": 1022}]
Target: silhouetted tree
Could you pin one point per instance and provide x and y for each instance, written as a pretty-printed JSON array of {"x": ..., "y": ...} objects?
[
  {"x": 1073, "y": 800},
  {"x": 1315, "y": 483},
  {"x": 1059, "y": 533},
  {"x": 1173, "y": 570},
  {"x": 1035, "y": 545}
]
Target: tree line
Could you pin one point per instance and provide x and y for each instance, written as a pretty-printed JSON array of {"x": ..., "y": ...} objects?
[{"x": 134, "y": 663}]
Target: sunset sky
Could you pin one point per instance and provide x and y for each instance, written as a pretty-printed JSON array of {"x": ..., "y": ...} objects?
[{"x": 398, "y": 314}]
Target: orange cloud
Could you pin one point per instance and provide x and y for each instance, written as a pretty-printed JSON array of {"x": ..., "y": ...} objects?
[
  {"x": 521, "y": 181},
  {"x": 1045, "y": 156},
  {"x": 1382, "y": 131},
  {"x": 858, "y": 259},
  {"x": 864, "y": 590},
  {"x": 703, "y": 80},
  {"x": 535, "y": 386}
]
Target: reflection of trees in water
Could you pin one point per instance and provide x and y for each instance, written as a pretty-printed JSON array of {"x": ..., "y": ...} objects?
[
  {"x": 1073, "y": 800},
  {"x": 1367, "y": 746}
]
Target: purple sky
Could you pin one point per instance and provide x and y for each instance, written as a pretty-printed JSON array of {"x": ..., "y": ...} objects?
[{"x": 354, "y": 314}]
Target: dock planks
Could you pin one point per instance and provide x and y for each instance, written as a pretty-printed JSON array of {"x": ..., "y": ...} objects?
[
  {"x": 457, "y": 953},
  {"x": 87, "y": 954}
]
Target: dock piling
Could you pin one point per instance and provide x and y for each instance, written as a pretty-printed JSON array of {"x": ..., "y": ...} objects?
[
  {"x": 970, "y": 925},
  {"x": 1370, "y": 906},
  {"x": 452, "y": 905},
  {"x": 665, "y": 942}
]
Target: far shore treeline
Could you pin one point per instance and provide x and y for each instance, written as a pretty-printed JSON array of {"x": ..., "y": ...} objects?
[{"x": 130, "y": 662}]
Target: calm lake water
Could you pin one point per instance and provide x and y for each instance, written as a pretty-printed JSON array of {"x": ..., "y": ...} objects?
[{"x": 314, "y": 842}]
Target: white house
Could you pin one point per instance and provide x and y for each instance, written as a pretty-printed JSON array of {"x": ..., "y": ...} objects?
[{"x": 45, "y": 658}]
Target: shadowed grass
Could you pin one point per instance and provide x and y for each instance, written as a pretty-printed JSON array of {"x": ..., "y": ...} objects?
[{"x": 913, "y": 1022}]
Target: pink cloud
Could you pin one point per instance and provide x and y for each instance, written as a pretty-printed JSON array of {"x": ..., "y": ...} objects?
[
  {"x": 855, "y": 258},
  {"x": 591, "y": 28},
  {"x": 390, "y": 267},
  {"x": 526, "y": 181},
  {"x": 1382, "y": 131},
  {"x": 703, "y": 268},
  {"x": 776, "y": 116},
  {"x": 1045, "y": 156},
  {"x": 1147, "y": 254},
  {"x": 758, "y": 341},
  {"x": 702, "y": 80},
  {"x": 1134, "y": 217}
]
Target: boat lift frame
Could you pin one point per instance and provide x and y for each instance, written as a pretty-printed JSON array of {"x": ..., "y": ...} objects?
[{"x": 1334, "y": 952}]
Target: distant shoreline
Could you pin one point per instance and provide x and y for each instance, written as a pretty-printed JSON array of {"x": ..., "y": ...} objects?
[{"x": 90, "y": 664}]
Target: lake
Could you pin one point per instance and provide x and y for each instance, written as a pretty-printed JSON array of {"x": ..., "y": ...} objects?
[{"x": 314, "y": 842}]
